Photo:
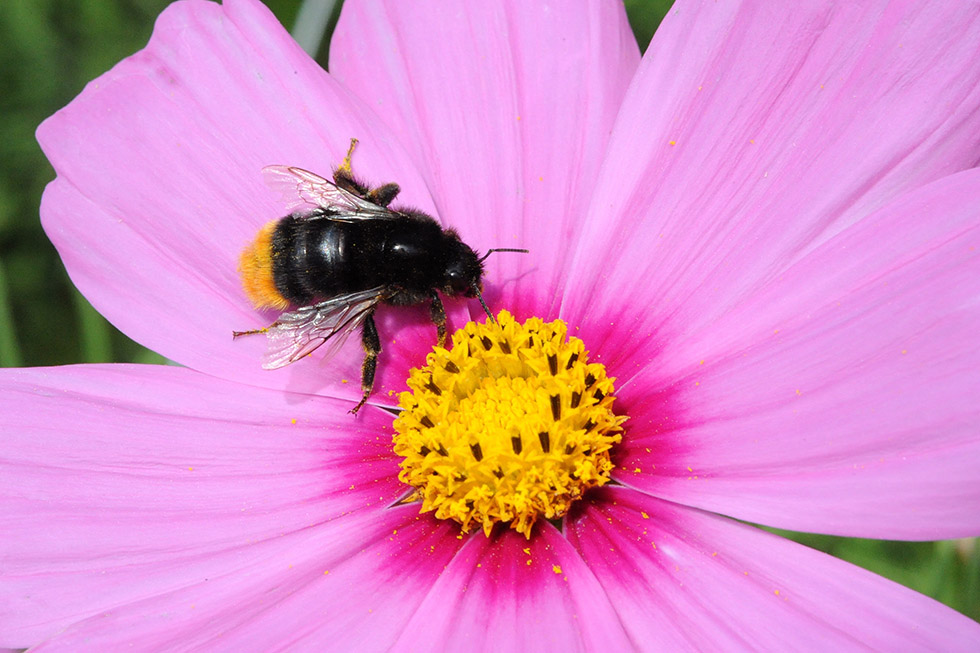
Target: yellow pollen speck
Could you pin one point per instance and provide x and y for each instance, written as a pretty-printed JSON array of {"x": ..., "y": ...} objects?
[
  {"x": 671, "y": 142},
  {"x": 509, "y": 425},
  {"x": 556, "y": 569},
  {"x": 527, "y": 550},
  {"x": 326, "y": 572},
  {"x": 798, "y": 391},
  {"x": 190, "y": 469},
  {"x": 905, "y": 351},
  {"x": 529, "y": 562},
  {"x": 776, "y": 592},
  {"x": 344, "y": 381},
  {"x": 293, "y": 420},
  {"x": 644, "y": 515}
]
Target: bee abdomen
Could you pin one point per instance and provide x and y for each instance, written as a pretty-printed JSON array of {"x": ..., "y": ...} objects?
[
  {"x": 256, "y": 266},
  {"x": 316, "y": 258}
]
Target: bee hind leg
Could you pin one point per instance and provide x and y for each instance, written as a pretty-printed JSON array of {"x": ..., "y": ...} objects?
[
  {"x": 344, "y": 177},
  {"x": 345, "y": 166},
  {"x": 384, "y": 195},
  {"x": 372, "y": 347},
  {"x": 252, "y": 332}
]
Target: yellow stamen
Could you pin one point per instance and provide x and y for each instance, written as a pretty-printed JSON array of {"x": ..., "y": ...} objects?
[{"x": 511, "y": 424}]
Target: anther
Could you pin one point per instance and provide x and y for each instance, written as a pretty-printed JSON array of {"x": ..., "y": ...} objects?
[
  {"x": 515, "y": 443},
  {"x": 451, "y": 367},
  {"x": 553, "y": 364},
  {"x": 576, "y": 398},
  {"x": 572, "y": 360},
  {"x": 425, "y": 421},
  {"x": 477, "y": 451},
  {"x": 556, "y": 407},
  {"x": 545, "y": 441}
]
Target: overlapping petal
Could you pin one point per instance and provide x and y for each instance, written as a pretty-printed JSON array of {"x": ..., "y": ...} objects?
[
  {"x": 129, "y": 482},
  {"x": 681, "y": 579},
  {"x": 188, "y": 123},
  {"x": 506, "y": 109},
  {"x": 507, "y": 594},
  {"x": 360, "y": 580},
  {"x": 752, "y": 132},
  {"x": 842, "y": 397}
]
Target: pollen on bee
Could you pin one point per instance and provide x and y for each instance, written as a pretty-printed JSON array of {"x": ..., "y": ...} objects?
[{"x": 255, "y": 266}]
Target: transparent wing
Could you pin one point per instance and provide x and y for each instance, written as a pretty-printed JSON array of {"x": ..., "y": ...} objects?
[
  {"x": 301, "y": 332},
  {"x": 304, "y": 192}
]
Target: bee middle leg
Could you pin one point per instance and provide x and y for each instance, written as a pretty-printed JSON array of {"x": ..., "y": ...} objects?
[
  {"x": 437, "y": 313},
  {"x": 372, "y": 347}
]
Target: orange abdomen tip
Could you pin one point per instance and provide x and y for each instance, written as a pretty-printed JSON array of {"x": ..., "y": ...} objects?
[{"x": 255, "y": 266}]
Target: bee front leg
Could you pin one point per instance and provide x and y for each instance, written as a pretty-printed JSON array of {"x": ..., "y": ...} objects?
[
  {"x": 437, "y": 313},
  {"x": 372, "y": 347}
]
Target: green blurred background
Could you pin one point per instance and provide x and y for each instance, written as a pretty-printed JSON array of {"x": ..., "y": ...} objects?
[{"x": 49, "y": 49}]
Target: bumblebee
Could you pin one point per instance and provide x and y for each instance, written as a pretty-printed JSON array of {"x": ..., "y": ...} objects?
[{"x": 343, "y": 251}]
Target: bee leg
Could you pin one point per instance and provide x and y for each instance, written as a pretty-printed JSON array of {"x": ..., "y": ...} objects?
[
  {"x": 383, "y": 195},
  {"x": 372, "y": 347},
  {"x": 344, "y": 177},
  {"x": 345, "y": 166},
  {"x": 239, "y": 334},
  {"x": 437, "y": 313}
]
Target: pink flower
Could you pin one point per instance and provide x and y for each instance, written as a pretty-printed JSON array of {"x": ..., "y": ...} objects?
[{"x": 767, "y": 230}]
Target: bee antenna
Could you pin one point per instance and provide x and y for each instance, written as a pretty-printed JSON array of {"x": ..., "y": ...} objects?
[
  {"x": 502, "y": 249},
  {"x": 479, "y": 296}
]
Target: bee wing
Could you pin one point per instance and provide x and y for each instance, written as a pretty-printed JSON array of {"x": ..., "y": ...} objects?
[
  {"x": 304, "y": 192},
  {"x": 301, "y": 332}
]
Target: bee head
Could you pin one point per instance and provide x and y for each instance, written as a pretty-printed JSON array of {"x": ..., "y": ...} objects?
[{"x": 463, "y": 272}]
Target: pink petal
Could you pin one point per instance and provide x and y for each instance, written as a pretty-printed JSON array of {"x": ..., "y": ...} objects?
[
  {"x": 354, "y": 591},
  {"x": 843, "y": 397},
  {"x": 159, "y": 184},
  {"x": 754, "y": 131},
  {"x": 509, "y": 594},
  {"x": 507, "y": 109},
  {"x": 123, "y": 483},
  {"x": 681, "y": 579}
]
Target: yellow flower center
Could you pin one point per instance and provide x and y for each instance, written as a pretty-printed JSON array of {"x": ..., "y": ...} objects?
[{"x": 510, "y": 424}]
